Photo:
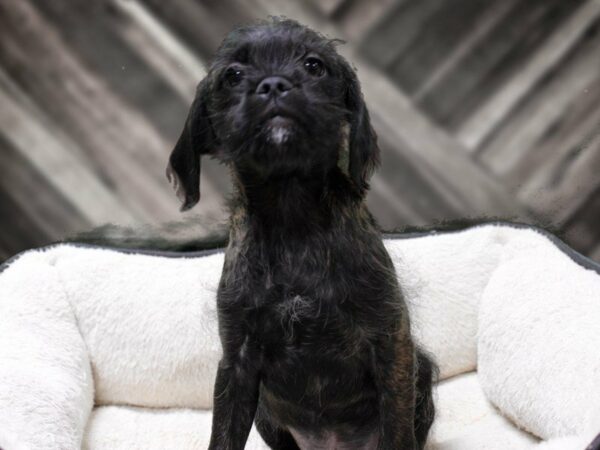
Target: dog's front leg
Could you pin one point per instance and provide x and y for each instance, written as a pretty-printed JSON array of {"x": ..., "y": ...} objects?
[
  {"x": 235, "y": 397},
  {"x": 394, "y": 374}
]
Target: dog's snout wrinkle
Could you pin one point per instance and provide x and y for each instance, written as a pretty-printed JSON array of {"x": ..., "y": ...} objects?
[{"x": 273, "y": 87}]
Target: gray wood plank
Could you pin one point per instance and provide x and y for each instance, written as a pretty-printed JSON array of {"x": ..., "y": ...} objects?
[
  {"x": 174, "y": 61},
  {"x": 18, "y": 231},
  {"x": 397, "y": 31},
  {"x": 327, "y": 7},
  {"x": 520, "y": 138},
  {"x": 201, "y": 25},
  {"x": 440, "y": 34},
  {"x": 494, "y": 60},
  {"x": 568, "y": 180},
  {"x": 120, "y": 144},
  {"x": 125, "y": 59},
  {"x": 38, "y": 205},
  {"x": 576, "y": 125},
  {"x": 595, "y": 253},
  {"x": 359, "y": 17},
  {"x": 484, "y": 119},
  {"x": 476, "y": 32},
  {"x": 57, "y": 159},
  {"x": 582, "y": 231}
]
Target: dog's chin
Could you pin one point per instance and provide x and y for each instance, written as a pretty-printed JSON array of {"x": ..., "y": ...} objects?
[{"x": 280, "y": 131}]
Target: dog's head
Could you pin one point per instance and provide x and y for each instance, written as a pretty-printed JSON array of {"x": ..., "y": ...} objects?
[{"x": 277, "y": 100}]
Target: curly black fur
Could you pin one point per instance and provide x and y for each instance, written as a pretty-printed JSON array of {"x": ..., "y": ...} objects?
[{"x": 316, "y": 338}]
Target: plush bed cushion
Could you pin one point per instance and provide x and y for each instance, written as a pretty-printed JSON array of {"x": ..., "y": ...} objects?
[{"x": 83, "y": 326}]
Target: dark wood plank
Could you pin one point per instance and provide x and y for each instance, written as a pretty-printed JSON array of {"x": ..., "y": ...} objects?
[
  {"x": 494, "y": 60},
  {"x": 201, "y": 25},
  {"x": 486, "y": 22},
  {"x": 55, "y": 157},
  {"x": 595, "y": 253},
  {"x": 519, "y": 142},
  {"x": 485, "y": 119},
  {"x": 124, "y": 66},
  {"x": 359, "y": 17},
  {"x": 440, "y": 34},
  {"x": 328, "y": 8},
  {"x": 571, "y": 178},
  {"x": 93, "y": 32},
  {"x": 39, "y": 208},
  {"x": 397, "y": 31},
  {"x": 582, "y": 230},
  {"x": 120, "y": 144},
  {"x": 19, "y": 233}
]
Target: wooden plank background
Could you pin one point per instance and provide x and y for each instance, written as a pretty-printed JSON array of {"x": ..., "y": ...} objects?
[{"x": 484, "y": 108}]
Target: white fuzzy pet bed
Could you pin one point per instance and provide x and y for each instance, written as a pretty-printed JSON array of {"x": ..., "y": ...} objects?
[{"x": 106, "y": 349}]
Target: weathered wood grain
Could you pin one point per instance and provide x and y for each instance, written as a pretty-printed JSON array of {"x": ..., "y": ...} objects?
[
  {"x": 494, "y": 60},
  {"x": 568, "y": 180},
  {"x": 37, "y": 208},
  {"x": 486, "y": 22},
  {"x": 582, "y": 229},
  {"x": 397, "y": 30},
  {"x": 438, "y": 35},
  {"x": 62, "y": 165},
  {"x": 482, "y": 108},
  {"x": 522, "y": 133},
  {"x": 359, "y": 17},
  {"x": 484, "y": 119},
  {"x": 328, "y": 7},
  {"x": 119, "y": 141}
]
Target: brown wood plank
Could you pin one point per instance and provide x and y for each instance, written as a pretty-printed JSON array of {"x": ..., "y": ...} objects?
[
  {"x": 519, "y": 142},
  {"x": 494, "y": 60},
  {"x": 486, "y": 118}
]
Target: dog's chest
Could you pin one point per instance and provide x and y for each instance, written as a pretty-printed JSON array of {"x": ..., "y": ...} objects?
[
  {"x": 308, "y": 325},
  {"x": 303, "y": 301}
]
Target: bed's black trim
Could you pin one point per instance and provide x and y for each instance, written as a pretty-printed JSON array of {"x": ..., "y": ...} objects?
[
  {"x": 577, "y": 257},
  {"x": 595, "y": 445}
]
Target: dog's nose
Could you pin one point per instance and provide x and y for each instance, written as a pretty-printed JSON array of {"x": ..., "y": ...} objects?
[{"x": 273, "y": 87}]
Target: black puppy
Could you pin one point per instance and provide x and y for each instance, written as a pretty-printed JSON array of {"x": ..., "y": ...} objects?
[{"x": 316, "y": 339}]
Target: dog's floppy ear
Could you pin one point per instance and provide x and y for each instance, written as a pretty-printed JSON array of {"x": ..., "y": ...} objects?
[
  {"x": 196, "y": 139},
  {"x": 362, "y": 140}
]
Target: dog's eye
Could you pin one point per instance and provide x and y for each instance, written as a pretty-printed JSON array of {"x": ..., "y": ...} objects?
[
  {"x": 233, "y": 76},
  {"x": 314, "y": 66}
]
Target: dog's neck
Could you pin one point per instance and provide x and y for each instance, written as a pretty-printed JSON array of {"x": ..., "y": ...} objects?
[{"x": 295, "y": 202}]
